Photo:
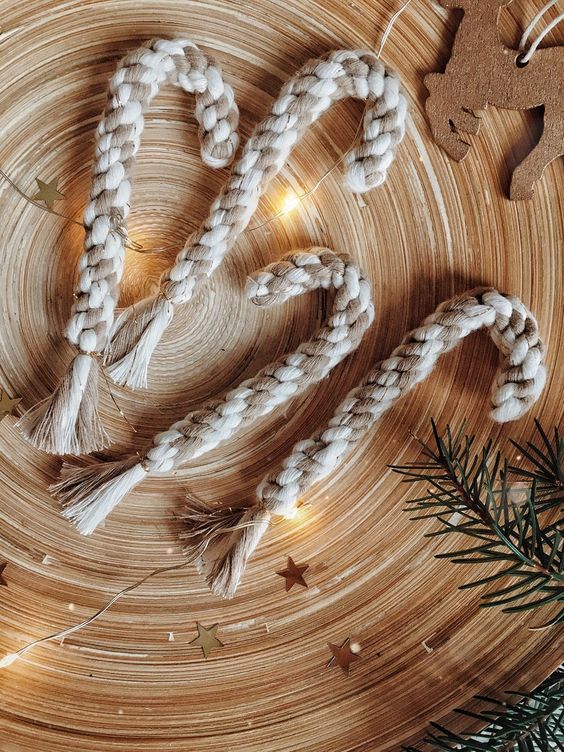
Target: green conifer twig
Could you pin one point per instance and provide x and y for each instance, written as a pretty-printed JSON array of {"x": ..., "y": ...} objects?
[
  {"x": 532, "y": 722},
  {"x": 472, "y": 493}
]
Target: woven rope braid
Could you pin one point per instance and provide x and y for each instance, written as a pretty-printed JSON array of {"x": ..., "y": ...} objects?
[
  {"x": 68, "y": 422},
  {"x": 517, "y": 385},
  {"x": 302, "y": 100},
  {"x": 90, "y": 493}
]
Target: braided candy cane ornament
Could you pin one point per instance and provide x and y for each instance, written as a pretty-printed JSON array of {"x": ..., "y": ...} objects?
[
  {"x": 68, "y": 422},
  {"x": 344, "y": 73},
  {"x": 518, "y": 384},
  {"x": 90, "y": 493}
]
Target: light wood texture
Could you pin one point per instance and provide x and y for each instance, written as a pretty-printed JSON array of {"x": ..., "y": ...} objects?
[{"x": 435, "y": 227}]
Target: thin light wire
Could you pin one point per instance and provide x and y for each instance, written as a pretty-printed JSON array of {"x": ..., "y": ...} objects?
[
  {"x": 11, "y": 657},
  {"x": 526, "y": 56},
  {"x": 32, "y": 201},
  {"x": 116, "y": 404},
  {"x": 133, "y": 244}
]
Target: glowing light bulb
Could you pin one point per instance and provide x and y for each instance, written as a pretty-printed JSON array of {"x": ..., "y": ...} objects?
[
  {"x": 289, "y": 204},
  {"x": 7, "y": 660},
  {"x": 296, "y": 512}
]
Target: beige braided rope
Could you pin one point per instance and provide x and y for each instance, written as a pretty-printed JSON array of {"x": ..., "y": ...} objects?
[
  {"x": 343, "y": 73},
  {"x": 68, "y": 421},
  {"x": 90, "y": 493},
  {"x": 518, "y": 383}
]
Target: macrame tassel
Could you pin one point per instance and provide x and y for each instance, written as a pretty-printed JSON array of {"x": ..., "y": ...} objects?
[
  {"x": 67, "y": 422},
  {"x": 90, "y": 493},
  {"x": 244, "y": 528},
  {"x": 133, "y": 338},
  {"x": 228, "y": 569}
]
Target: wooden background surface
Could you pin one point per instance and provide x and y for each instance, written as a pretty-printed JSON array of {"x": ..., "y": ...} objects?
[{"x": 433, "y": 229}]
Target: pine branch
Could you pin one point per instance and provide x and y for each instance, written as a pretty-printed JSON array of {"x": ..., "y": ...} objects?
[
  {"x": 546, "y": 467},
  {"x": 532, "y": 722},
  {"x": 470, "y": 493}
]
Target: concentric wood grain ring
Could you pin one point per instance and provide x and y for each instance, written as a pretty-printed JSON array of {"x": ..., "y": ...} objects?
[{"x": 433, "y": 229}]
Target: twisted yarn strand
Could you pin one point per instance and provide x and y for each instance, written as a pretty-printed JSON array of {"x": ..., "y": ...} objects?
[
  {"x": 302, "y": 100},
  {"x": 518, "y": 384},
  {"x": 118, "y": 137},
  {"x": 68, "y": 422},
  {"x": 90, "y": 493}
]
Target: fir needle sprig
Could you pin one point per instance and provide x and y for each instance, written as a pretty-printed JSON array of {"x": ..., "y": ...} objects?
[
  {"x": 547, "y": 468},
  {"x": 471, "y": 493},
  {"x": 532, "y": 722}
]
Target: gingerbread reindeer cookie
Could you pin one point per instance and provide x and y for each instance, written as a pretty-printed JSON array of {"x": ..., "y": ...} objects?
[{"x": 482, "y": 71}]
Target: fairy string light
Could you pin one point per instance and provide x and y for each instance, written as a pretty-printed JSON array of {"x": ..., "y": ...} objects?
[
  {"x": 292, "y": 200},
  {"x": 134, "y": 245},
  {"x": 116, "y": 403},
  {"x": 11, "y": 658}
]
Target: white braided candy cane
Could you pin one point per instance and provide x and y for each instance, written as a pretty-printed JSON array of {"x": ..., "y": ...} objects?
[
  {"x": 517, "y": 385},
  {"x": 68, "y": 422},
  {"x": 343, "y": 73},
  {"x": 90, "y": 493}
]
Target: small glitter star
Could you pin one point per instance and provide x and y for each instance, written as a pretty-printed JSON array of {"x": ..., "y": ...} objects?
[
  {"x": 294, "y": 574},
  {"x": 48, "y": 192},
  {"x": 7, "y": 405},
  {"x": 343, "y": 655},
  {"x": 3, "y": 566},
  {"x": 207, "y": 639}
]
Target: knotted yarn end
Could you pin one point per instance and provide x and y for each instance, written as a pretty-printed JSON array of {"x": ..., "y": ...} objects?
[{"x": 67, "y": 422}]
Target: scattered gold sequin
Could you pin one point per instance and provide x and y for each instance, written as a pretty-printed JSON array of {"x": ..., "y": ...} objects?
[
  {"x": 207, "y": 639},
  {"x": 343, "y": 655},
  {"x": 48, "y": 192},
  {"x": 7, "y": 405},
  {"x": 294, "y": 574}
]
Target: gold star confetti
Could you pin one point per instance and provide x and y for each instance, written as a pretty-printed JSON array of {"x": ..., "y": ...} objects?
[
  {"x": 7, "y": 405},
  {"x": 294, "y": 574},
  {"x": 48, "y": 192},
  {"x": 3, "y": 566},
  {"x": 207, "y": 639},
  {"x": 344, "y": 655}
]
